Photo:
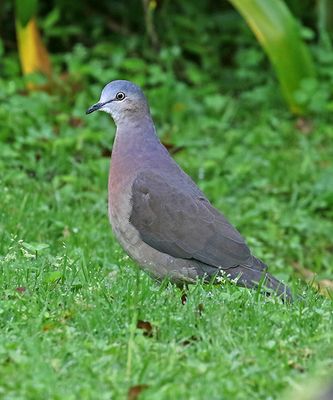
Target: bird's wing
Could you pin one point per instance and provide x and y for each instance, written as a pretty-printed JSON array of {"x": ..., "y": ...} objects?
[{"x": 174, "y": 219}]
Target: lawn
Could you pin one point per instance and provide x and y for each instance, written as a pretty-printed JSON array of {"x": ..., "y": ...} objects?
[{"x": 79, "y": 320}]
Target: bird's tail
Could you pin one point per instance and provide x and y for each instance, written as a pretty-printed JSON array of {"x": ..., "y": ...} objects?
[{"x": 256, "y": 276}]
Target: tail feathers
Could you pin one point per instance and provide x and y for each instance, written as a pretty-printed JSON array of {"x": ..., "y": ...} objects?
[
  {"x": 255, "y": 276},
  {"x": 270, "y": 282}
]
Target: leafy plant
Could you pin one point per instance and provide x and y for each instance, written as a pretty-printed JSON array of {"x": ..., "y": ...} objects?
[{"x": 278, "y": 33}]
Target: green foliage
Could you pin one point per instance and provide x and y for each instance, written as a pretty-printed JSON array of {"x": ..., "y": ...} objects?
[
  {"x": 278, "y": 33},
  {"x": 202, "y": 36}
]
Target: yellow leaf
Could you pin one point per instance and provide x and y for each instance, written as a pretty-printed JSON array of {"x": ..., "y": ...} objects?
[{"x": 32, "y": 52}]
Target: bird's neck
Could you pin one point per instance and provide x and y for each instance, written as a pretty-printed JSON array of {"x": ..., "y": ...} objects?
[
  {"x": 136, "y": 147},
  {"x": 136, "y": 136}
]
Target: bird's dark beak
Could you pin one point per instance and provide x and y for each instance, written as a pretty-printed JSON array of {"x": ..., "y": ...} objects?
[{"x": 95, "y": 107}]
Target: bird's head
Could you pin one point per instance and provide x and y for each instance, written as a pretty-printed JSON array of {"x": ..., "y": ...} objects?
[{"x": 121, "y": 99}]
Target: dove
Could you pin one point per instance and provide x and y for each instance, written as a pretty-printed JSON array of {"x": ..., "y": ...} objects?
[{"x": 159, "y": 215}]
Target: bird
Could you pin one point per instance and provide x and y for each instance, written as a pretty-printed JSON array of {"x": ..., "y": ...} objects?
[{"x": 160, "y": 216}]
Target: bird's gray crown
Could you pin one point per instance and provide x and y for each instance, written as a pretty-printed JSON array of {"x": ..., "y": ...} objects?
[
  {"x": 122, "y": 99},
  {"x": 121, "y": 86}
]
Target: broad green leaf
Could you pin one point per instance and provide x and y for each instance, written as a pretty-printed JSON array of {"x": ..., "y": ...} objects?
[{"x": 278, "y": 33}]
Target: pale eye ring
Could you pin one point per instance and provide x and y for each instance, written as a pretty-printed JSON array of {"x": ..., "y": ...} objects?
[{"x": 120, "y": 96}]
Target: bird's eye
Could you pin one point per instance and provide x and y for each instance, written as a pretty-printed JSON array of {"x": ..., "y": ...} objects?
[{"x": 120, "y": 96}]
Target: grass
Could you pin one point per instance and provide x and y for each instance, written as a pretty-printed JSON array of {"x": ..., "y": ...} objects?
[{"x": 71, "y": 299}]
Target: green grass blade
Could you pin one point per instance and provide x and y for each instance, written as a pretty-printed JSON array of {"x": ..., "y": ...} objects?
[{"x": 278, "y": 33}]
